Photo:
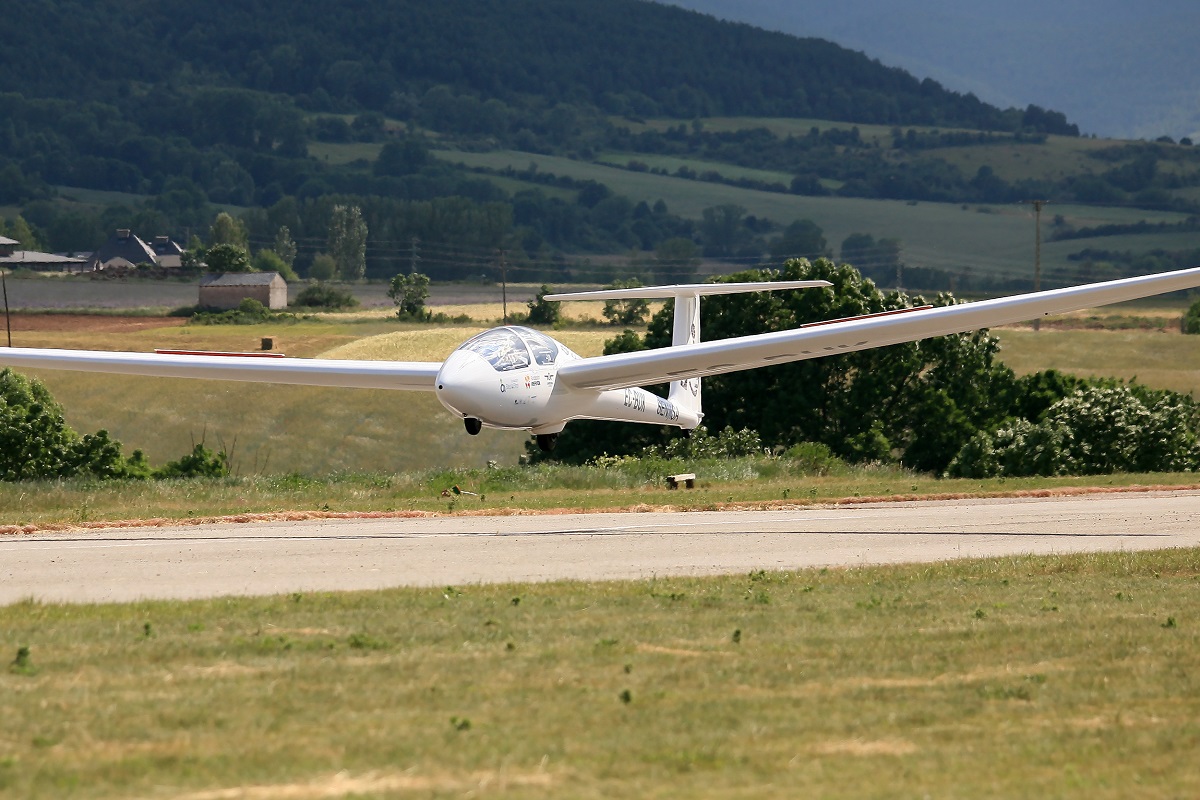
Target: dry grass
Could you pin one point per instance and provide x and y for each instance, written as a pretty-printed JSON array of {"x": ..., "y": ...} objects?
[
  {"x": 1163, "y": 360},
  {"x": 1015, "y": 677}
]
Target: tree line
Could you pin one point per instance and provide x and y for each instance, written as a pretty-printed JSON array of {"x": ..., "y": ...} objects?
[{"x": 944, "y": 405}]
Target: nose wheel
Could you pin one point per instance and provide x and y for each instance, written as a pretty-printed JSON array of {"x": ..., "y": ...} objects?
[
  {"x": 546, "y": 441},
  {"x": 472, "y": 425}
]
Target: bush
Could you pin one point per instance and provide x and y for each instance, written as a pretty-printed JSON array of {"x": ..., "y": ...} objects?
[
  {"x": 200, "y": 463},
  {"x": 36, "y": 443},
  {"x": 1191, "y": 320},
  {"x": 248, "y": 312},
  {"x": 323, "y": 295},
  {"x": 700, "y": 445},
  {"x": 543, "y": 311},
  {"x": 409, "y": 293},
  {"x": 814, "y": 458},
  {"x": 1099, "y": 429}
]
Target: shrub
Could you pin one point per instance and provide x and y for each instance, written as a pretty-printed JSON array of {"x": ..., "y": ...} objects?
[
  {"x": 36, "y": 442},
  {"x": 1191, "y": 320},
  {"x": 814, "y": 458},
  {"x": 700, "y": 444},
  {"x": 409, "y": 293},
  {"x": 543, "y": 311},
  {"x": 200, "y": 463},
  {"x": 1097, "y": 430},
  {"x": 323, "y": 295}
]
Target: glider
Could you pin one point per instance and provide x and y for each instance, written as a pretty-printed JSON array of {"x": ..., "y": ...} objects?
[{"x": 517, "y": 378}]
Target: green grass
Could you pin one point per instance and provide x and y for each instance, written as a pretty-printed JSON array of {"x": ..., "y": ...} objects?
[
  {"x": 672, "y": 163},
  {"x": 749, "y": 482},
  {"x": 341, "y": 154},
  {"x": 1019, "y": 677}
]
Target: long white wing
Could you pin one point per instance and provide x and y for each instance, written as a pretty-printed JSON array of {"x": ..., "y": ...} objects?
[
  {"x": 680, "y": 289},
  {"x": 412, "y": 375},
  {"x": 748, "y": 352}
]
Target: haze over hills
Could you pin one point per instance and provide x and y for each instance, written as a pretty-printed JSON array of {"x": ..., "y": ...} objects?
[{"x": 1117, "y": 69}]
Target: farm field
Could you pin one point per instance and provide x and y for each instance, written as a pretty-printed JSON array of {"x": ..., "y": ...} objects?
[
  {"x": 63, "y": 293},
  {"x": 319, "y": 431},
  {"x": 1165, "y": 360},
  {"x": 275, "y": 429},
  {"x": 986, "y": 240},
  {"x": 1018, "y": 677}
]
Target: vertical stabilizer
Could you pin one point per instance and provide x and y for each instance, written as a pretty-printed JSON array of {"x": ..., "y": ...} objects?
[{"x": 685, "y": 394}]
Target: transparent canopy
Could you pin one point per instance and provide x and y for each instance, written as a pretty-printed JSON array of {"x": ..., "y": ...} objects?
[{"x": 515, "y": 347}]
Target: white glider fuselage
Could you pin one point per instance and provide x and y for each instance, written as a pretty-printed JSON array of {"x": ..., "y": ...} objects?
[{"x": 507, "y": 378}]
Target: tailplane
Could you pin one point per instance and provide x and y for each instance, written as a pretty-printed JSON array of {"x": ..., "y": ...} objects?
[{"x": 685, "y": 394}]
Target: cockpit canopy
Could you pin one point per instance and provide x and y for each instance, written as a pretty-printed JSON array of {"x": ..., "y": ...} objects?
[{"x": 516, "y": 347}]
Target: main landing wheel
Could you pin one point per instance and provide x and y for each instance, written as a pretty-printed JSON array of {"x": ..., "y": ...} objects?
[
  {"x": 473, "y": 425},
  {"x": 546, "y": 441}
]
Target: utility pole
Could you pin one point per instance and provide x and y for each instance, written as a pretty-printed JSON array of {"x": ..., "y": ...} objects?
[
  {"x": 1037, "y": 252},
  {"x": 7, "y": 318},
  {"x": 504, "y": 285}
]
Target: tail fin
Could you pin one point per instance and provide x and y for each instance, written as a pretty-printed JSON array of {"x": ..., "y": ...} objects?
[{"x": 685, "y": 394}]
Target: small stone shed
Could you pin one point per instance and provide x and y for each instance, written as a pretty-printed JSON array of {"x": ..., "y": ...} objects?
[{"x": 229, "y": 289}]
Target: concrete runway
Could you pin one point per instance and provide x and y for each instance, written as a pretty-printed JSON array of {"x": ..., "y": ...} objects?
[{"x": 269, "y": 558}]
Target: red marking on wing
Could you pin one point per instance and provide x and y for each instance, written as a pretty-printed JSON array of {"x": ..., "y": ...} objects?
[
  {"x": 216, "y": 353},
  {"x": 867, "y": 316}
]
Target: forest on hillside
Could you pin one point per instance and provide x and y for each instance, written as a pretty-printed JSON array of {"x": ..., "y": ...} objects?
[{"x": 184, "y": 109}]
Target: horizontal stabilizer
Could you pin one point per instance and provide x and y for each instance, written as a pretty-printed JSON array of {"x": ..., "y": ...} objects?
[{"x": 686, "y": 289}]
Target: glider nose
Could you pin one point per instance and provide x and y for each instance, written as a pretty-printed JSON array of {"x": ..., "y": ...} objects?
[{"x": 461, "y": 383}]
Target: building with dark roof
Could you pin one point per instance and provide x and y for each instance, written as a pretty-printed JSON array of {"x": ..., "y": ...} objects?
[
  {"x": 229, "y": 289},
  {"x": 12, "y": 258},
  {"x": 126, "y": 249}
]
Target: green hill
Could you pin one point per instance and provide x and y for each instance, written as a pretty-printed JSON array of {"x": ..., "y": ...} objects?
[{"x": 651, "y": 126}]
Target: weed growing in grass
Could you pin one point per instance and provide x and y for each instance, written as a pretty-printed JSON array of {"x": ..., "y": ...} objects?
[
  {"x": 460, "y": 723},
  {"x": 1170, "y": 623},
  {"x": 363, "y": 641},
  {"x": 626, "y": 697},
  {"x": 22, "y": 664}
]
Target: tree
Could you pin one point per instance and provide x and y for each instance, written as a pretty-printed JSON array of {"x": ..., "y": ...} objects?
[
  {"x": 676, "y": 260},
  {"x": 36, "y": 443},
  {"x": 409, "y": 293},
  {"x": 269, "y": 261},
  {"x": 802, "y": 239},
  {"x": 323, "y": 267},
  {"x": 632, "y": 311},
  {"x": 917, "y": 402},
  {"x": 228, "y": 258},
  {"x": 285, "y": 247},
  {"x": 24, "y": 233},
  {"x": 722, "y": 230},
  {"x": 543, "y": 311},
  {"x": 1191, "y": 320},
  {"x": 348, "y": 241},
  {"x": 405, "y": 157},
  {"x": 227, "y": 230}
]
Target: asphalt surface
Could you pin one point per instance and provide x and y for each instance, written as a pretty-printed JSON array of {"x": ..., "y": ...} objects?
[{"x": 268, "y": 558}]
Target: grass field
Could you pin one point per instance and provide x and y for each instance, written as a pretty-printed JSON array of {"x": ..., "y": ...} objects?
[
  {"x": 987, "y": 240},
  {"x": 1162, "y": 360},
  {"x": 316, "y": 431},
  {"x": 1018, "y": 677}
]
